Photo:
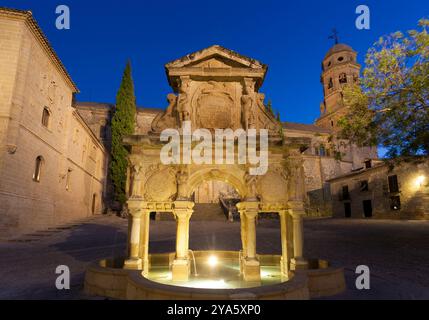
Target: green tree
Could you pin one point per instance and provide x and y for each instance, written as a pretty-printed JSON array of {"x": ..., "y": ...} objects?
[
  {"x": 123, "y": 122},
  {"x": 390, "y": 105}
]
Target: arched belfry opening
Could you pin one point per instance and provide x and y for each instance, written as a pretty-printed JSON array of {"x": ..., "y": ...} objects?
[{"x": 215, "y": 88}]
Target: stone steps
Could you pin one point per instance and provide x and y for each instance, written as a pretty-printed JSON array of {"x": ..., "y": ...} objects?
[{"x": 208, "y": 212}]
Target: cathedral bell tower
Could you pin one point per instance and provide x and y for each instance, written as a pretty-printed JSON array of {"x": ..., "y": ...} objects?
[{"x": 339, "y": 68}]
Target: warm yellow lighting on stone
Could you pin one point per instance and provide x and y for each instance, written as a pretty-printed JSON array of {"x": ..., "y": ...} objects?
[
  {"x": 213, "y": 261},
  {"x": 420, "y": 180}
]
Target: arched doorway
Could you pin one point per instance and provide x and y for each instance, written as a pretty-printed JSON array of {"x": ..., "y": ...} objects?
[{"x": 215, "y": 200}]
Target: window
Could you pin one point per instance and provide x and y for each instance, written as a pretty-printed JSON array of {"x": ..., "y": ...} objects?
[
  {"x": 345, "y": 193},
  {"x": 368, "y": 164},
  {"x": 330, "y": 83},
  {"x": 38, "y": 169},
  {"x": 45, "y": 117},
  {"x": 393, "y": 184},
  {"x": 395, "y": 203},
  {"x": 332, "y": 123},
  {"x": 342, "y": 78},
  {"x": 340, "y": 59},
  {"x": 69, "y": 171},
  {"x": 322, "y": 151},
  {"x": 102, "y": 132},
  {"x": 364, "y": 185}
]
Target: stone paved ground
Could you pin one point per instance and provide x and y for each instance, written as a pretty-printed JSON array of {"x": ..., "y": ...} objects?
[{"x": 397, "y": 253}]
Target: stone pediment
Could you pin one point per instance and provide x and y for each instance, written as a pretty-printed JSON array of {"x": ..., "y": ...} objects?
[
  {"x": 215, "y": 54},
  {"x": 215, "y": 62},
  {"x": 216, "y": 88}
]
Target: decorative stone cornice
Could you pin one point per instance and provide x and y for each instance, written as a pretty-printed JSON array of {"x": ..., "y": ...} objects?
[{"x": 27, "y": 16}]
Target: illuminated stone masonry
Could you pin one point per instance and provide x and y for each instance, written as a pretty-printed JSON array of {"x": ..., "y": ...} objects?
[
  {"x": 217, "y": 89},
  {"x": 217, "y": 92}
]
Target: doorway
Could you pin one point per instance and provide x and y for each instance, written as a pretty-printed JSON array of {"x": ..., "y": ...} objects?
[
  {"x": 347, "y": 210},
  {"x": 367, "y": 208},
  {"x": 93, "y": 206}
]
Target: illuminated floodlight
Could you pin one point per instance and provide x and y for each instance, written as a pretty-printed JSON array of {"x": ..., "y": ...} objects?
[
  {"x": 420, "y": 180},
  {"x": 213, "y": 261}
]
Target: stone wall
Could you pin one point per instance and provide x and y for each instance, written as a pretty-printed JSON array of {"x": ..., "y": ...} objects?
[
  {"x": 413, "y": 192},
  {"x": 73, "y": 166}
]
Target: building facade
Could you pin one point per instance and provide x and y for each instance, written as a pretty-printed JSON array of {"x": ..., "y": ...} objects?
[
  {"x": 384, "y": 191},
  {"x": 54, "y": 152},
  {"x": 52, "y": 166}
]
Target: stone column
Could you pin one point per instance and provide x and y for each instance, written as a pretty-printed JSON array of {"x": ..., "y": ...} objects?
[
  {"x": 251, "y": 267},
  {"x": 243, "y": 233},
  {"x": 181, "y": 265},
  {"x": 144, "y": 241},
  {"x": 297, "y": 212},
  {"x": 134, "y": 262},
  {"x": 284, "y": 260}
]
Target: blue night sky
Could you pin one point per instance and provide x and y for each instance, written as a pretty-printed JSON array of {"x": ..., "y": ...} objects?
[{"x": 291, "y": 37}]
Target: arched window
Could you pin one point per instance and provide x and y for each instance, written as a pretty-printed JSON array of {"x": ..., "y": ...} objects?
[
  {"x": 46, "y": 117},
  {"x": 330, "y": 83},
  {"x": 38, "y": 168},
  {"x": 68, "y": 177},
  {"x": 343, "y": 78}
]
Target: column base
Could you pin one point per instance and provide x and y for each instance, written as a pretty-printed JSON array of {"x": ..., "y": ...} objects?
[
  {"x": 133, "y": 264},
  {"x": 180, "y": 270},
  {"x": 284, "y": 269},
  {"x": 145, "y": 267},
  {"x": 251, "y": 270},
  {"x": 298, "y": 264}
]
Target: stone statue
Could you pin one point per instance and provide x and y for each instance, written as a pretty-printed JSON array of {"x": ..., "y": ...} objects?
[
  {"x": 183, "y": 103},
  {"x": 182, "y": 179},
  {"x": 251, "y": 181},
  {"x": 136, "y": 180},
  {"x": 166, "y": 119},
  {"x": 296, "y": 179},
  {"x": 247, "y": 108}
]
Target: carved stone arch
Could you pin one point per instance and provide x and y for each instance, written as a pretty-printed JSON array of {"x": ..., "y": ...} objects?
[{"x": 229, "y": 176}]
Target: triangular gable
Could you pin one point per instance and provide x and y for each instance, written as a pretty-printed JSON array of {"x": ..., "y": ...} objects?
[{"x": 218, "y": 55}]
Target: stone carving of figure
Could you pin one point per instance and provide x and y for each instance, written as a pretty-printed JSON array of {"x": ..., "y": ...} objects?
[
  {"x": 248, "y": 110},
  {"x": 167, "y": 119},
  {"x": 182, "y": 179},
  {"x": 183, "y": 104},
  {"x": 136, "y": 180},
  {"x": 251, "y": 181},
  {"x": 296, "y": 180}
]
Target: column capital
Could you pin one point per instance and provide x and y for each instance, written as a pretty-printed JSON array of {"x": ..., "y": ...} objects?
[
  {"x": 248, "y": 206},
  {"x": 136, "y": 212},
  {"x": 296, "y": 208},
  {"x": 183, "y": 209}
]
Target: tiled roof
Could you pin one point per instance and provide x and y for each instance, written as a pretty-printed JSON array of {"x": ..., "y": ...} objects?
[
  {"x": 304, "y": 127},
  {"x": 102, "y": 105}
]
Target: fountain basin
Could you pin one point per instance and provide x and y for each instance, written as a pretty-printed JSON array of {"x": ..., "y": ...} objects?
[{"x": 213, "y": 281}]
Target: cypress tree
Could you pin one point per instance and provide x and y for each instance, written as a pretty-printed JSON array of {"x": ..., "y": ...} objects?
[{"x": 123, "y": 123}]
